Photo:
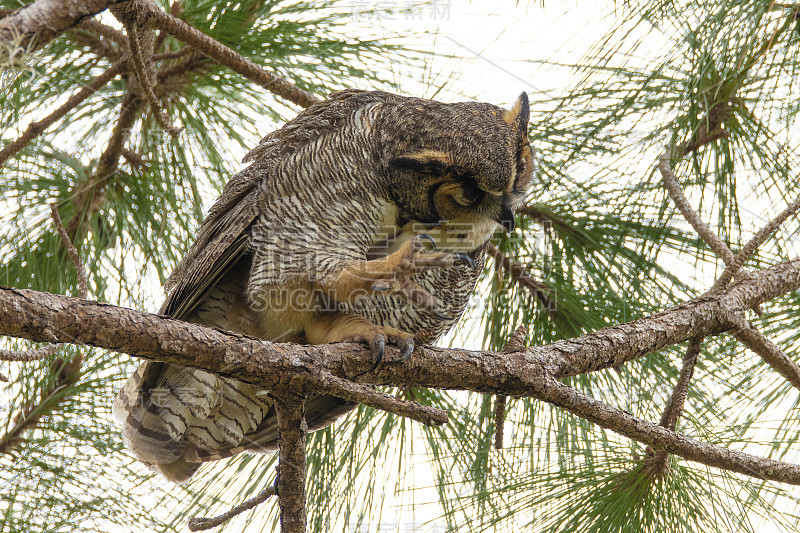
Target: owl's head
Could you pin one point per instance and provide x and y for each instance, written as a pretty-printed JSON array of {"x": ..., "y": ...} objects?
[{"x": 463, "y": 167}]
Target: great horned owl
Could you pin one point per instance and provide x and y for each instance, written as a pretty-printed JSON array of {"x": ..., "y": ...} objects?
[{"x": 328, "y": 237}]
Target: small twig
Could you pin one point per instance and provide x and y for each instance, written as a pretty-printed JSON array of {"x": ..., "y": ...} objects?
[
  {"x": 31, "y": 413},
  {"x": 73, "y": 253},
  {"x": 101, "y": 47},
  {"x": 768, "y": 351},
  {"x": 105, "y": 31},
  {"x": 674, "y": 189},
  {"x": 539, "y": 214},
  {"x": 135, "y": 160},
  {"x": 291, "y": 482},
  {"x": 89, "y": 195},
  {"x": 706, "y": 139},
  {"x": 199, "y": 524},
  {"x": 752, "y": 245},
  {"x": 499, "y": 420},
  {"x": 175, "y": 54},
  {"x": 356, "y": 392},
  {"x": 26, "y": 356},
  {"x": 225, "y": 56},
  {"x": 144, "y": 83},
  {"x": 515, "y": 343},
  {"x": 37, "y": 127},
  {"x": 520, "y": 275},
  {"x": 37, "y": 354}
]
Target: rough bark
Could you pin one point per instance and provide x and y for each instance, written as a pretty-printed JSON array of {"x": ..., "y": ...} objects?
[
  {"x": 534, "y": 372},
  {"x": 35, "y": 25},
  {"x": 291, "y": 482},
  {"x": 45, "y": 317}
]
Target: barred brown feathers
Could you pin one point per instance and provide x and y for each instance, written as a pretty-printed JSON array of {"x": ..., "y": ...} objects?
[{"x": 328, "y": 237}]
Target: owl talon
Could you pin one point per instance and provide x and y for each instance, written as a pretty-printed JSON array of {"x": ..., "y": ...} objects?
[
  {"x": 426, "y": 237},
  {"x": 406, "y": 353},
  {"x": 378, "y": 349}
]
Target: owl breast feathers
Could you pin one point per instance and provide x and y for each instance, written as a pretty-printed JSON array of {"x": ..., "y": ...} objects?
[{"x": 364, "y": 219}]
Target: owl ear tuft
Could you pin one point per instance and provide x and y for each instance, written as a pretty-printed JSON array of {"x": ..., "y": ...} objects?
[
  {"x": 428, "y": 161},
  {"x": 519, "y": 115}
]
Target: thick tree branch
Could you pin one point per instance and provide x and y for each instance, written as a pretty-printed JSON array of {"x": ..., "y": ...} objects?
[
  {"x": 44, "y": 317},
  {"x": 36, "y": 24}
]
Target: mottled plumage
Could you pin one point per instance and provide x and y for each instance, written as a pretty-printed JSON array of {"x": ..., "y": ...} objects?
[{"x": 321, "y": 240}]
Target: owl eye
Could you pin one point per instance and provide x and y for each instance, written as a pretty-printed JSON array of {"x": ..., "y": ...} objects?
[
  {"x": 468, "y": 193},
  {"x": 467, "y": 198}
]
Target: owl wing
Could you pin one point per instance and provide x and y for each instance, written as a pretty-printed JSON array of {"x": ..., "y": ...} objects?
[
  {"x": 164, "y": 407},
  {"x": 174, "y": 417}
]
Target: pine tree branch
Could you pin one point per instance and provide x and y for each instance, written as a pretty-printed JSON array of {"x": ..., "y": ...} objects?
[
  {"x": 199, "y": 524},
  {"x": 676, "y": 194},
  {"x": 753, "y": 245},
  {"x": 661, "y": 438},
  {"x": 358, "y": 393},
  {"x": 36, "y": 128},
  {"x": 291, "y": 482},
  {"x": 656, "y": 465},
  {"x": 89, "y": 196},
  {"x": 768, "y": 351},
  {"x": 669, "y": 419},
  {"x": 31, "y": 27},
  {"x": 227, "y": 57},
  {"x": 515, "y": 344},
  {"x": 44, "y": 317},
  {"x": 533, "y": 373},
  {"x": 143, "y": 75}
]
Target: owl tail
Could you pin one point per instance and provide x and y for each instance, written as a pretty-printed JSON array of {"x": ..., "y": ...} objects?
[
  {"x": 169, "y": 413},
  {"x": 176, "y": 418}
]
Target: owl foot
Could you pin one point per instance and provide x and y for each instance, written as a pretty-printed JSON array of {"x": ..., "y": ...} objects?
[
  {"x": 350, "y": 328},
  {"x": 413, "y": 257},
  {"x": 393, "y": 274},
  {"x": 377, "y": 337}
]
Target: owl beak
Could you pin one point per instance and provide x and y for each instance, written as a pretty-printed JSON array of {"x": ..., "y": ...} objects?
[{"x": 506, "y": 218}]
